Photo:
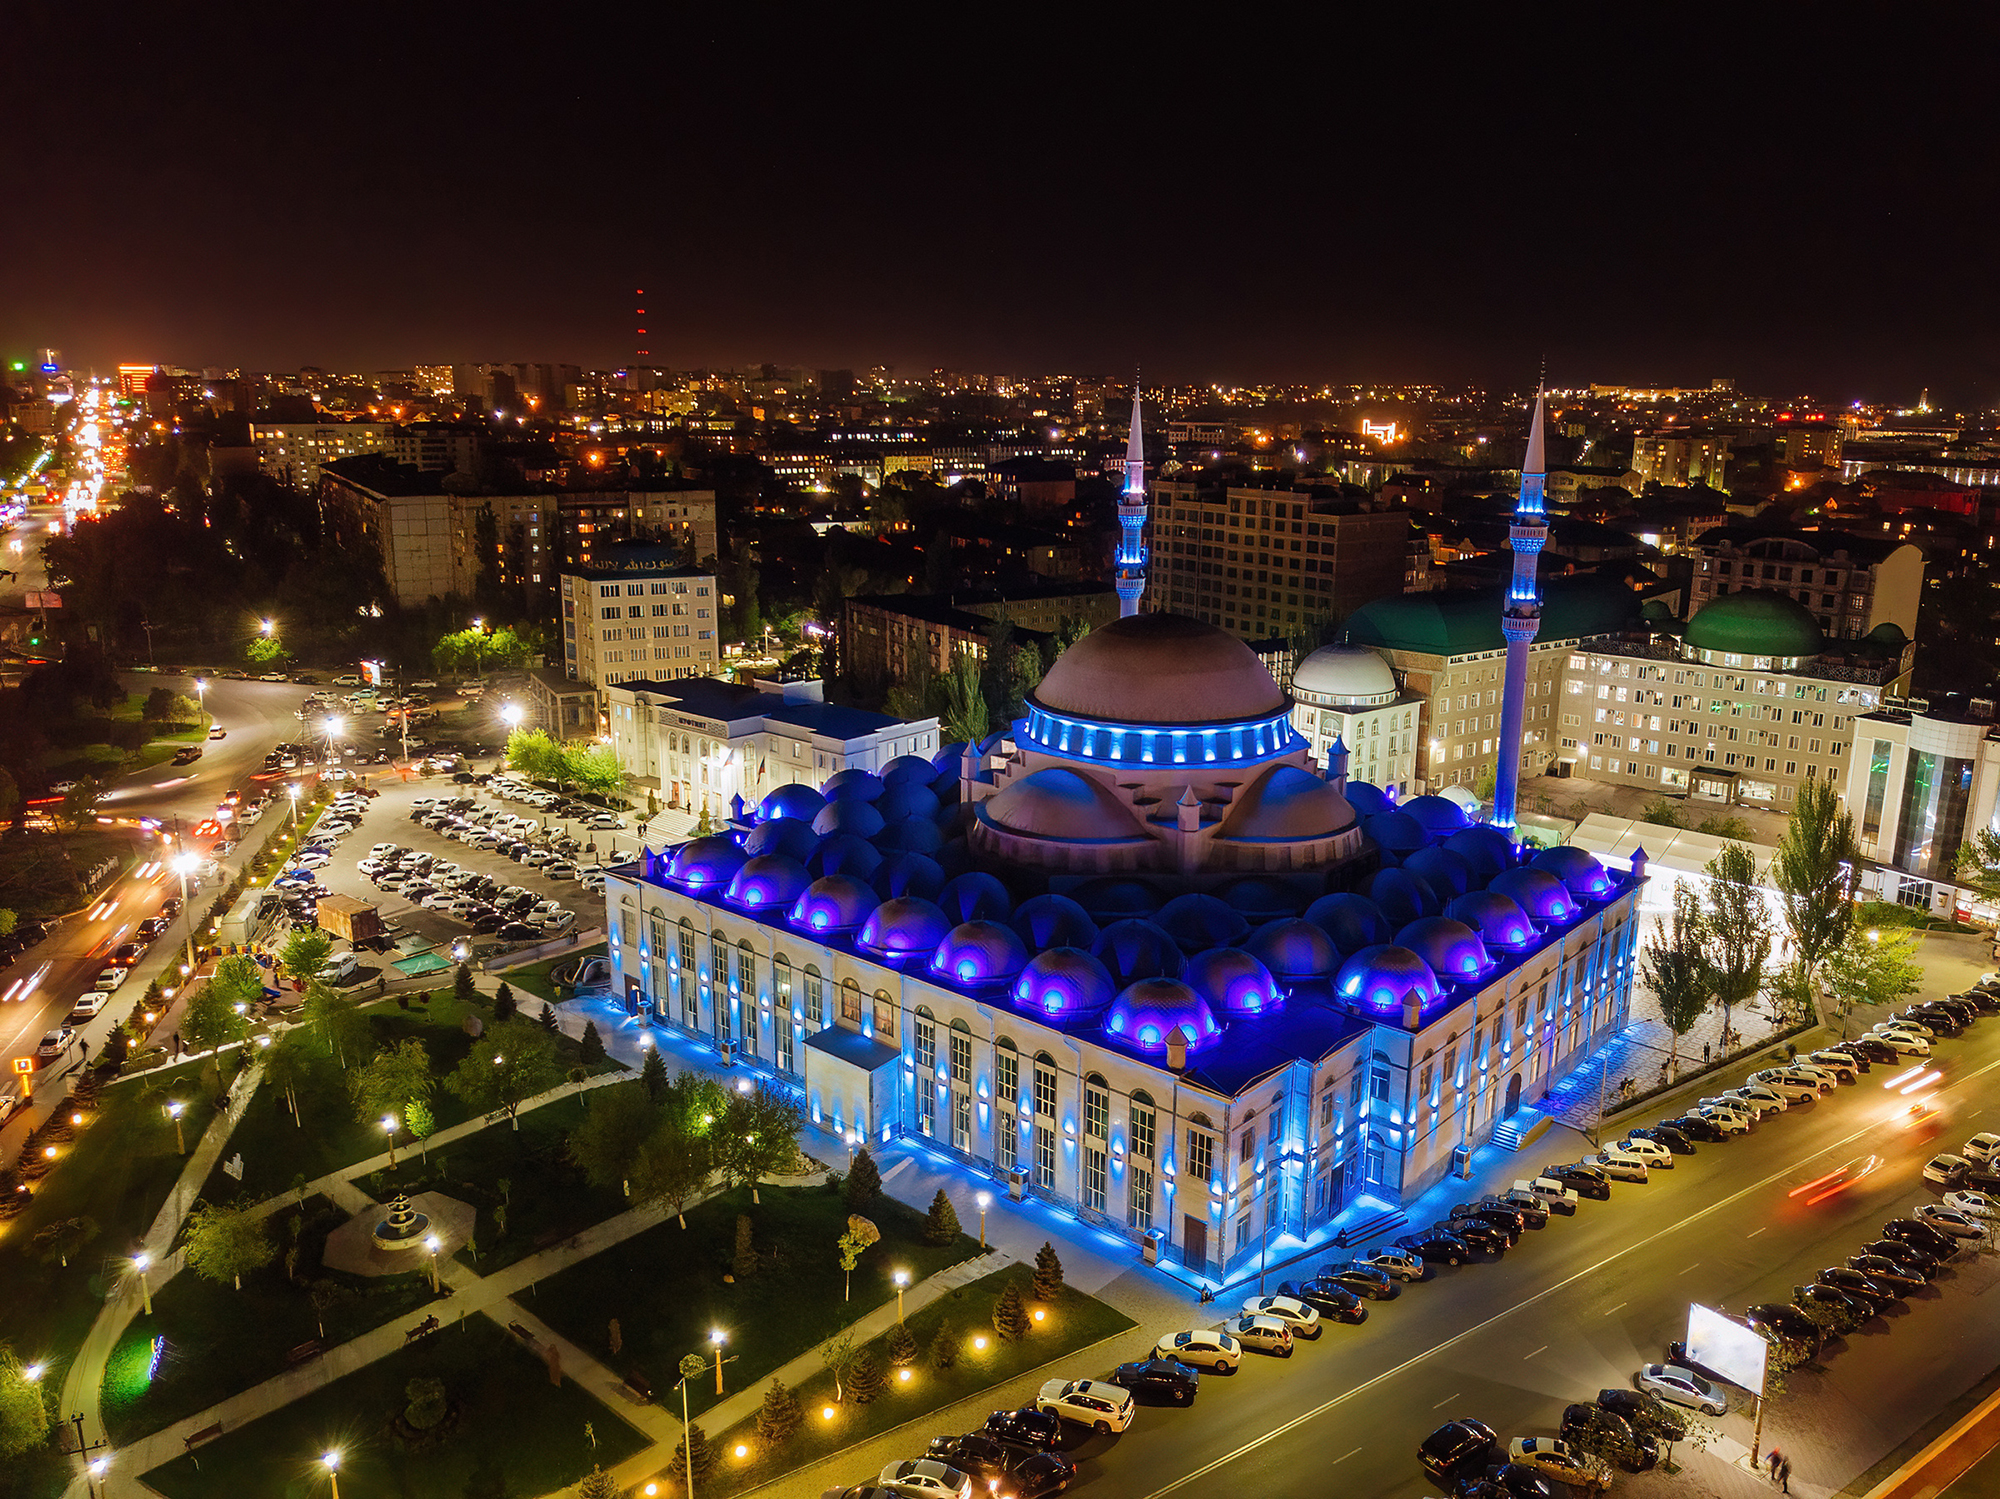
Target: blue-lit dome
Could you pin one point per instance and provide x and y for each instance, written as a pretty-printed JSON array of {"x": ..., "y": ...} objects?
[
  {"x": 1537, "y": 892},
  {"x": 1147, "y": 1014},
  {"x": 1054, "y": 921},
  {"x": 904, "y": 927},
  {"x": 1499, "y": 921},
  {"x": 833, "y": 903},
  {"x": 1402, "y": 897},
  {"x": 979, "y": 952},
  {"x": 796, "y": 800},
  {"x": 790, "y": 836},
  {"x": 767, "y": 882},
  {"x": 855, "y": 785},
  {"x": 917, "y": 834},
  {"x": 1579, "y": 871},
  {"x": 1437, "y": 815},
  {"x": 949, "y": 758},
  {"x": 1107, "y": 900},
  {"x": 1261, "y": 900},
  {"x": 848, "y": 815},
  {"x": 706, "y": 863},
  {"x": 1294, "y": 948},
  {"x": 1485, "y": 848},
  {"x": 905, "y": 873},
  {"x": 1366, "y": 800},
  {"x": 1064, "y": 981},
  {"x": 976, "y": 897},
  {"x": 1382, "y": 978},
  {"x": 1396, "y": 832},
  {"x": 955, "y": 819},
  {"x": 1445, "y": 872},
  {"x": 1451, "y": 948},
  {"x": 954, "y": 858},
  {"x": 907, "y": 798},
  {"x": 844, "y": 853},
  {"x": 1197, "y": 922},
  {"x": 1352, "y": 921},
  {"x": 908, "y": 770},
  {"x": 1232, "y": 981},
  {"x": 1134, "y": 949}
]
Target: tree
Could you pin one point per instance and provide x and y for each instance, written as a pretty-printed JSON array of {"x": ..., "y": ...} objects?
[
  {"x": 595, "y": 769},
  {"x": 266, "y": 651},
  {"x": 506, "y": 1067},
  {"x": 1486, "y": 783},
  {"x": 592, "y": 1044},
  {"x": 65, "y": 1237},
  {"x": 547, "y": 1019},
  {"x": 1731, "y": 827},
  {"x": 426, "y": 1403},
  {"x": 902, "y": 1346},
  {"x": 863, "y": 1184},
  {"x": 606, "y": 1146},
  {"x": 421, "y": 1121},
  {"x": 1814, "y": 872},
  {"x": 503, "y": 1004},
  {"x": 1873, "y": 967},
  {"x": 288, "y": 1068},
  {"x": 1661, "y": 812},
  {"x": 864, "y": 1377},
  {"x": 653, "y": 1073},
  {"x": 694, "y": 1451},
  {"x": 1977, "y": 859},
  {"x": 944, "y": 1345},
  {"x": 598, "y": 1484},
  {"x": 305, "y": 952},
  {"x": 464, "y": 990},
  {"x": 24, "y": 1408},
  {"x": 212, "y": 1018},
  {"x": 535, "y": 755},
  {"x": 164, "y": 705},
  {"x": 854, "y": 1241},
  {"x": 79, "y": 804},
  {"x": 390, "y": 1080},
  {"x": 1737, "y": 926},
  {"x": 334, "y": 1023},
  {"x": 222, "y": 1244},
  {"x": 1675, "y": 964},
  {"x": 837, "y": 1355},
  {"x": 671, "y": 1167},
  {"x": 1048, "y": 1272},
  {"x": 1010, "y": 1314},
  {"x": 779, "y": 1418},
  {"x": 743, "y": 1264},
  {"x": 759, "y": 1134},
  {"x": 941, "y": 1225},
  {"x": 963, "y": 694}
]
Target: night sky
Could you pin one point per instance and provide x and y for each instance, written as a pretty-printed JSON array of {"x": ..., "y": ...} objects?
[{"x": 1810, "y": 209}]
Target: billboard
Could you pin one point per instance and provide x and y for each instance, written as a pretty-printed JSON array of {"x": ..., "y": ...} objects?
[{"x": 1732, "y": 1350}]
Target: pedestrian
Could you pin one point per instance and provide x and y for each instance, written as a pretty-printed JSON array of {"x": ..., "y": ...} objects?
[
  {"x": 1785, "y": 1476},
  {"x": 1704, "y": 1051},
  {"x": 1773, "y": 1458}
]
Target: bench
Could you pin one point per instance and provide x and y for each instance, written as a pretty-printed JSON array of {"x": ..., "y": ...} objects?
[
  {"x": 639, "y": 1385},
  {"x": 423, "y": 1328},
  {"x": 305, "y": 1353},
  {"x": 550, "y": 1239},
  {"x": 207, "y": 1433},
  {"x": 522, "y": 1333}
]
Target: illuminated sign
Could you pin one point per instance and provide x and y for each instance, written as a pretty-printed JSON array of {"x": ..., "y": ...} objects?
[
  {"x": 1380, "y": 431},
  {"x": 1736, "y": 1352}
]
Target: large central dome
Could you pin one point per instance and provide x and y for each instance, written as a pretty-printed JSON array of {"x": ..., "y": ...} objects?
[{"x": 1160, "y": 669}]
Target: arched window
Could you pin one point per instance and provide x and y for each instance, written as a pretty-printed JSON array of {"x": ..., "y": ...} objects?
[
  {"x": 850, "y": 1001},
  {"x": 924, "y": 1033},
  {"x": 815, "y": 995},
  {"x": 961, "y": 1053},
  {"x": 885, "y": 1016},
  {"x": 781, "y": 986},
  {"x": 746, "y": 970},
  {"x": 1248, "y": 1147}
]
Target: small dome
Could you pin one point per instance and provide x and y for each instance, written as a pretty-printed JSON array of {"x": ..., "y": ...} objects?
[
  {"x": 833, "y": 903},
  {"x": 1367, "y": 800},
  {"x": 1287, "y": 805},
  {"x": 1294, "y": 948},
  {"x": 976, "y": 897},
  {"x": 1062, "y": 804},
  {"x": 1196, "y": 922},
  {"x": 949, "y": 758},
  {"x": 1054, "y": 921},
  {"x": 906, "y": 873},
  {"x": 706, "y": 863},
  {"x": 954, "y": 819},
  {"x": 954, "y": 858},
  {"x": 1261, "y": 900},
  {"x": 767, "y": 882},
  {"x": 1107, "y": 900},
  {"x": 790, "y": 836},
  {"x": 908, "y": 769},
  {"x": 1451, "y": 948},
  {"x": 1344, "y": 676},
  {"x": 848, "y": 815},
  {"x": 904, "y": 927},
  {"x": 844, "y": 853},
  {"x": 796, "y": 800},
  {"x": 1579, "y": 871},
  {"x": 1381, "y": 978},
  {"x": 919, "y": 835},
  {"x": 1485, "y": 848},
  {"x": 1538, "y": 893},
  {"x": 1147, "y": 1013},
  {"x": 1233, "y": 982},
  {"x": 1135, "y": 949},
  {"x": 1402, "y": 897},
  {"x": 979, "y": 952},
  {"x": 1755, "y": 622},
  {"x": 1499, "y": 921},
  {"x": 856, "y": 785},
  {"x": 949, "y": 791},
  {"x": 1159, "y": 668},
  {"x": 1445, "y": 872},
  {"x": 1436, "y": 815},
  {"x": 1064, "y": 981},
  {"x": 1394, "y": 832},
  {"x": 1352, "y": 921},
  {"x": 907, "y": 798}
]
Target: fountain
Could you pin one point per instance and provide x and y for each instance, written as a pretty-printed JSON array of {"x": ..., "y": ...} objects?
[{"x": 405, "y": 1228}]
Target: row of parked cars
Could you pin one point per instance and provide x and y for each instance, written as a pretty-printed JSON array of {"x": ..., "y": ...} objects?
[
  {"x": 512, "y": 835},
  {"x": 480, "y": 901}
]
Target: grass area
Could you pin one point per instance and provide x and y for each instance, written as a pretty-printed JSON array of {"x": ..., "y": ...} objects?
[
  {"x": 545, "y": 1197},
  {"x": 509, "y": 1422},
  {"x": 535, "y": 979},
  {"x": 39, "y": 870},
  {"x": 786, "y": 1309},
  {"x": 220, "y": 1341},
  {"x": 1889, "y": 913},
  {"x": 1070, "y": 1322}
]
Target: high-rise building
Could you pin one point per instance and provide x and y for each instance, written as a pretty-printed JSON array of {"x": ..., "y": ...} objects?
[
  {"x": 1681, "y": 459},
  {"x": 1850, "y": 584},
  {"x": 637, "y": 614}
]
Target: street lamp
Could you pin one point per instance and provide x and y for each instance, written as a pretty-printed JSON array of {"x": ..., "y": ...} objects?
[
  {"x": 985, "y": 1201},
  {"x": 693, "y": 1366},
  {"x": 201, "y": 697},
  {"x": 268, "y": 626},
  {"x": 184, "y": 865},
  {"x": 715, "y": 1341},
  {"x": 389, "y": 1128},
  {"x": 180, "y": 1139},
  {"x": 332, "y": 729},
  {"x": 139, "y": 1263},
  {"x": 433, "y": 1246},
  {"x": 293, "y": 788},
  {"x": 902, "y": 1279},
  {"x": 332, "y": 1461},
  {"x": 97, "y": 1470}
]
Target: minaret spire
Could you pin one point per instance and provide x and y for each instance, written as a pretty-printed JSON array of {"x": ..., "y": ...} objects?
[
  {"x": 1521, "y": 614},
  {"x": 1131, "y": 577}
]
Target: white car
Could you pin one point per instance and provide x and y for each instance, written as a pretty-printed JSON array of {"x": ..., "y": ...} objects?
[
  {"x": 1554, "y": 1458},
  {"x": 113, "y": 979},
  {"x": 1760, "y": 1099},
  {"x": 1945, "y": 1170},
  {"x": 1266, "y": 1334},
  {"x": 1789, "y": 1086},
  {"x": 87, "y": 1006},
  {"x": 368, "y": 868},
  {"x": 1909, "y": 1043},
  {"x": 312, "y": 858},
  {"x": 1295, "y": 1314},
  {"x": 1982, "y": 1147},
  {"x": 1838, "y": 1063},
  {"x": 1910, "y": 1024},
  {"x": 394, "y": 881},
  {"x": 1202, "y": 1348},
  {"x": 1102, "y": 1406},
  {"x": 437, "y": 900},
  {"x": 386, "y": 850},
  {"x": 1948, "y": 1220},
  {"x": 1620, "y": 1164},
  {"x": 1656, "y": 1155},
  {"x": 1980, "y": 1205},
  {"x": 1681, "y": 1387},
  {"x": 606, "y": 822},
  {"x": 1403, "y": 1264},
  {"x": 555, "y": 921},
  {"x": 925, "y": 1478}
]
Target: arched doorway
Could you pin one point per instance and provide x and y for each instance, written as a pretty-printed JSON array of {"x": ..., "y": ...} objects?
[{"x": 1513, "y": 1095}]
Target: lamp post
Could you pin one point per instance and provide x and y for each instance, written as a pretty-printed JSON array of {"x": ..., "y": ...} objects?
[
  {"x": 180, "y": 1139},
  {"x": 715, "y": 1341},
  {"x": 96, "y": 1470},
  {"x": 293, "y": 788},
  {"x": 389, "y": 1128},
  {"x": 332, "y": 729},
  {"x": 902, "y": 1279},
  {"x": 433, "y": 1246},
  {"x": 332, "y": 1461},
  {"x": 985, "y": 1200},
  {"x": 201, "y": 700},
  {"x": 139, "y": 1263},
  {"x": 692, "y": 1367},
  {"x": 184, "y": 865}
]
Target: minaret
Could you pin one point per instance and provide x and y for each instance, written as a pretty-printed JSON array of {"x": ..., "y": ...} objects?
[
  {"x": 1131, "y": 580},
  {"x": 1521, "y": 618}
]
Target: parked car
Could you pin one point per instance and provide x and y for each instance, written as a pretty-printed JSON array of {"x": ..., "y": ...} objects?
[
  {"x": 1030, "y": 1426},
  {"x": 1849, "y": 1311},
  {"x": 1265, "y": 1334},
  {"x": 53, "y": 1044},
  {"x": 1897, "y": 1275},
  {"x": 1673, "y": 1140},
  {"x": 1401, "y": 1263},
  {"x": 1096, "y": 1403},
  {"x": 1946, "y": 1170},
  {"x": 925, "y": 1478},
  {"x": 1861, "y": 1287},
  {"x": 1582, "y": 1179},
  {"x": 1921, "y": 1235},
  {"x": 1656, "y": 1156},
  {"x": 88, "y": 1006},
  {"x": 1696, "y": 1127},
  {"x": 1476, "y": 1232},
  {"x": 1554, "y": 1458},
  {"x": 1681, "y": 1387},
  {"x": 112, "y": 979},
  {"x": 1589, "y": 1427},
  {"x": 1358, "y": 1277},
  {"x": 1645, "y": 1413},
  {"x": 1979, "y": 1206},
  {"x": 1166, "y": 1380},
  {"x": 1624, "y": 1165},
  {"x": 1436, "y": 1246},
  {"x": 1982, "y": 1148},
  {"x": 1950, "y": 1221},
  {"x": 1005, "y": 1471},
  {"x": 1332, "y": 1302},
  {"x": 1845, "y": 1067},
  {"x": 1458, "y": 1449},
  {"x": 1868, "y": 1049},
  {"x": 1551, "y": 1193}
]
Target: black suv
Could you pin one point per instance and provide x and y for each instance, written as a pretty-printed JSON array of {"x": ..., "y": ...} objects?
[
  {"x": 1333, "y": 1303},
  {"x": 1362, "y": 1280},
  {"x": 1436, "y": 1246},
  {"x": 1028, "y": 1427},
  {"x": 1584, "y": 1180},
  {"x": 1647, "y": 1414},
  {"x": 1504, "y": 1221},
  {"x": 1920, "y": 1235},
  {"x": 1694, "y": 1127},
  {"x": 1665, "y": 1134},
  {"x": 1777, "y": 1321},
  {"x": 1458, "y": 1449},
  {"x": 984, "y": 1455},
  {"x": 1153, "y": 1380},
  {"x": 1478, "y": 1233}
]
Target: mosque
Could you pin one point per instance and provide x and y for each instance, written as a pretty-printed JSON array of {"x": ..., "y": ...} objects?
[{"x": 1148, "y": 954}]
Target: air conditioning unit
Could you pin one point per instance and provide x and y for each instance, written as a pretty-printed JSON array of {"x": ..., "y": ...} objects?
[{"x": 728, "y": 1051}]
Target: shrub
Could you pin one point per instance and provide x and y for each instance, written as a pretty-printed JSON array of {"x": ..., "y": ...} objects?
[
  {"x": 864, "y": 1378},
  {"x": 694, "y": 1451},
  {"x": 941, "y": 1225},
  {"x": 427, "y": 1404},
  {"x": 1048, "y": 1272},
  {"x": 864, "y": 1182},
  {"x": 779, "y": 1418},
  {"x": 944, "y": 1346},
  {"x": 1010, "y": 1314},
  {"x": 902, "y": 1346}
]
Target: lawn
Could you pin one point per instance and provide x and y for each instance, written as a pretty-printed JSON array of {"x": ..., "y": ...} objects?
[
  {"x": 545, "y": 1198},
  {"x": 534, "y": 978},
  {"x": 510, "y": 1422},
  {"x": 220, "y": 1341},
  {"x": 667, "y": 1289},
  {"x": 1070, "y": 1323}
]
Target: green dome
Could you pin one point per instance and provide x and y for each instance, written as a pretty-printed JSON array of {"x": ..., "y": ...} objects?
[
  {"x": 1889, "y": 635},
  {"x": 1755, "y": 623}
]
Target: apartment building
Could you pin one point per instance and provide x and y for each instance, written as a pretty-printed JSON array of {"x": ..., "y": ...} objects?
[
  {"x": 1849, "y": 584},
  {"x": 639, "y": 616},
  {"x": 423, "y": 537},
  {"x": 886, "y": 639},
  {"x": 296, "y": 453},
  {"x": 1685, "y": 458},
  {"x": 587, "y": 520}
]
